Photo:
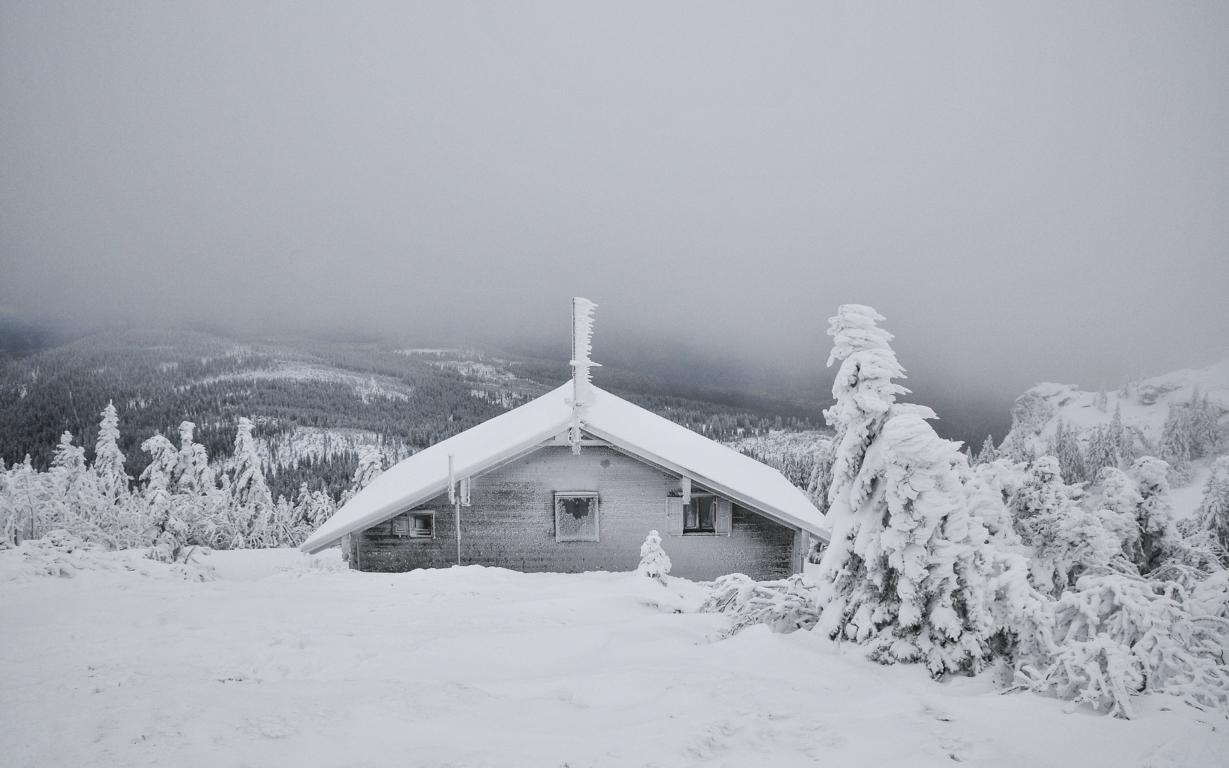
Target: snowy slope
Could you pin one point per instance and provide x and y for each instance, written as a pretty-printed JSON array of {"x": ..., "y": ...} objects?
[
  {"x": 1144, "y": 405},
  {"x": 288, "y": 660}
]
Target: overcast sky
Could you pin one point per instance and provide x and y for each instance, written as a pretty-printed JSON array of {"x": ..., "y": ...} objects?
[{"x": 1029, "y": 191}]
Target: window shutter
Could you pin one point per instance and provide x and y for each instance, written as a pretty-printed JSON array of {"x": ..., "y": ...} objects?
[
  {"x": 725, "y": 511},
  {"x": 674, "y": 516}
]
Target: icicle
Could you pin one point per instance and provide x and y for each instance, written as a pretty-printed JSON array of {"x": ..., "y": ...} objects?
[
  {"x": 452, "y": 482},
  {"x": 582, "y": 378}
]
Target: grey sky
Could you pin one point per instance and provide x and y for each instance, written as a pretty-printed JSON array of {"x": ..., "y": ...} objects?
[{"x": 1029, "y": 191}]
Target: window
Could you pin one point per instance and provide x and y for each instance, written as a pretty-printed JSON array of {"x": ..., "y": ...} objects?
[
  {"x": 416, "y": 525},
  {"x": 700, "y": 514},
  {"x": 576, "y": 516}
]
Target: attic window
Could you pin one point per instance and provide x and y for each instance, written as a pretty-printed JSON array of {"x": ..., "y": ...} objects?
[
  {"x": 576, "y": 516},
  {"x": 416, "y": 525}
]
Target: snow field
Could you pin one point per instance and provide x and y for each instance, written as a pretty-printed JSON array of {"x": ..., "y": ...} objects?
[{"x": 285, "y": 659}]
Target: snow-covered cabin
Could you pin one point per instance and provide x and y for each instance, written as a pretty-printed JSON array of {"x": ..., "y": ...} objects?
[{"x": 550, "y": 486}]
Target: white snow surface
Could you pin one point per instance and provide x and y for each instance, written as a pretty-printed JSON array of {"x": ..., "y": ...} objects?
[
  {"x": 630, "y": 427},
  {"x": 287, "y": 659}
]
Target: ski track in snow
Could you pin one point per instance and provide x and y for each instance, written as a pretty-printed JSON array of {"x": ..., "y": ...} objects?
[{"x": 291, "y": 660}]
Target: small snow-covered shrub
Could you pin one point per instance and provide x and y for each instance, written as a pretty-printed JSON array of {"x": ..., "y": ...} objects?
[
  {"x": 1099, "y": 672},
  {"x": 785, "y": 605},
  {"x": 1117, "y": 636},
  {"x": 61, "y": 553},
  {"x": 654, "y": 562}
]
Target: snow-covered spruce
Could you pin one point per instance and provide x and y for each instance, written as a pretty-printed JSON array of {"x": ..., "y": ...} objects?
[
  {"x": 902, "y": 573},
  {"x": 1154, "y": 513},
  {"x": 109, "y": 459},
  {"x": 251, "y": 503},
  {"x": 654, "y": 562},
  {"x": 1213, "y": 513},
  {"x": 1066, "y": 538},
  {"x": 370, "y": 466}
]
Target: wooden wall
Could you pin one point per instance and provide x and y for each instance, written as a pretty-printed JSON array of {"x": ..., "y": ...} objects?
[{"x": 511, "y": 524}]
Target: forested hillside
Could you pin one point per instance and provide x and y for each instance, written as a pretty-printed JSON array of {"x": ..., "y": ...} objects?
[{"x": 315, "y": 403}]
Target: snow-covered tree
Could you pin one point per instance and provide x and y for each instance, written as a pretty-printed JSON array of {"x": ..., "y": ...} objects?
[
  {"x": 370, "y": 466},
  {"x": 1213, "y": 514},
  {"x": 169, "y": 529},
  {"x": 821, "y": 474},
  {"x": 1118, "y": 636},
  {"x": 1154, "y": 513},
  {"x": 901, "y": 572},
  {"x": 313, "y": 508},
  {"x": 1043, "y": 489},
  {"x": 1066, "y": 539},
  {"x": 158, "y": 474},
  {"x": 988, "y": 453},
  {"x": 109, "y": 459},
  {"x": 988, "y": 487},
  {"x": 1123, "y": 442},
  {"x": 74, "y": 487},
  {"x": 1065, "y": 446},
  {"x": 192, "y": 473},
  {"x": 1018, "y": 448},
  {"x": 863, "y": 391},
  {"x": 1102, "y": 451},
  {"x": 251, "y": 502},
  {"x": 1191, "y": 431},
  {"x": 654, "y": 562},
  {"x": 1118, "y": 506},
  {"x": 25, "y": 502}
]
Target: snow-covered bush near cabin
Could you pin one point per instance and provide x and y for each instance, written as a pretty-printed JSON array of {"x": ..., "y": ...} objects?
[
  {"x": 1117, "y": 636},
  {"x": 785, "y": 605},
  {"x": 654, "y": 562}
]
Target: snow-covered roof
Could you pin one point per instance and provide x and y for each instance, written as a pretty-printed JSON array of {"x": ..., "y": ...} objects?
[{"x": 625, "y": 426}]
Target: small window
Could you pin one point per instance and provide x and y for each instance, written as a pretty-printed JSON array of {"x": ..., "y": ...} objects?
[
  {"x": 423, "y": 525},
  {"x": 700, "y": 514},
  {"x": 416, "y": 525},
  {"x": 576, "y": 516}
]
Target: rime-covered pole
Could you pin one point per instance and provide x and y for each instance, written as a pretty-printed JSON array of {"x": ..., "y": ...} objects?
[{"x": 582, "y": 378}]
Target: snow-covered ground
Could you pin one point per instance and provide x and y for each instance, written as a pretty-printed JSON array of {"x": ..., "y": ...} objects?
[{"x": 289, "y": 660}]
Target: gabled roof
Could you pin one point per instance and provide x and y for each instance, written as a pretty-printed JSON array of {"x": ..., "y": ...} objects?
[{"x": 625, "y": 426}]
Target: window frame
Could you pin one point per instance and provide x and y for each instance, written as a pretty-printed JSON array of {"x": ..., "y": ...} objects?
[
  {"x": 407, "y": 520},
  {"x": 697, "y": 531},
  {"x": 595, "y": 507}
]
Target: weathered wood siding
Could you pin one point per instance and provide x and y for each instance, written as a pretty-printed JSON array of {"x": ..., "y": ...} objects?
[{"x": 511, "y": 523}]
